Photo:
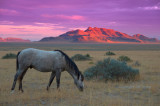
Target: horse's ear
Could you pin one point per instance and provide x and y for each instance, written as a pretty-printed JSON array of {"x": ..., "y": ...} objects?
[
  {"x": 82, "y": 77},
  {"x": 78, "y": 76}
]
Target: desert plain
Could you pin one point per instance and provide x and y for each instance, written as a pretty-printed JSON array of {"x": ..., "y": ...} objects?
[{"x": 143, "y": 92}]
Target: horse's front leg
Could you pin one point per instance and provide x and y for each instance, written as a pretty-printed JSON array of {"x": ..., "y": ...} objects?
[
  {"x": 58, "y": 75},
  {"x": 53, "y": 74}
]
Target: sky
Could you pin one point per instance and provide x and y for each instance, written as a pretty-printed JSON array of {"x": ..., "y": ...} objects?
[{"x": 35, "y": 19}]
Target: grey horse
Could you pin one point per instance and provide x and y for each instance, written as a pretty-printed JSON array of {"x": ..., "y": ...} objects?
[{"x": 47, "y": 61}]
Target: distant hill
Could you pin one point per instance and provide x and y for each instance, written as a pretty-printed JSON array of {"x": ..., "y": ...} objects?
[
  {"x": 144, "y": 38},
  {"x": 99, "y": 35},
  {"x": 10, "y": 39}
]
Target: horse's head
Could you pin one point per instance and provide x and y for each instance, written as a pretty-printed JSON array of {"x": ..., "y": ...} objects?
[{"x": 79, "y": 82}]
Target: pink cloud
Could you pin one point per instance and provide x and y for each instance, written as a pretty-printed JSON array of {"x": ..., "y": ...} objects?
[
  {"x": 30, "y": 31},
  {"x": 72, "y": 17},
  {"x": 75, "y": 28},
  {"x": 155, "y": 7},
  {"x": 152, "y": 8},
  {"x": 8, "y": 12},
  {"x": 6, "y": 22}
]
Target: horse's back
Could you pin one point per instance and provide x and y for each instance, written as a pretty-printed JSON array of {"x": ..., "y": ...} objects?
[
  {"x": 39, "y": 53},
  {"x": 41, "y": 60}
]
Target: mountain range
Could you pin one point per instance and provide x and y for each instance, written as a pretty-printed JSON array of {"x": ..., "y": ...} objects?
[
  {"x": 10, "y": 39},
  {"x": 102, "y": 35}
]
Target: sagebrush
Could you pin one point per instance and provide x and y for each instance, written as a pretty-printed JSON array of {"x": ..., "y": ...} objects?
[
  {"x": 9, "y": 56},
  {"x": 80, "y": 57},
  {"x": 110, "y": 53},
  {"x": 111, "y": 69},
  {"x": 136, "y": 63},
  {"x": 124, "y": 59}
]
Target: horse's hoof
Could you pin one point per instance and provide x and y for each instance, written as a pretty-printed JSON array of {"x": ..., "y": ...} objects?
[
  {"x": 12, "y": 91},
  {"x": 47, "y": 89},
  {"x": 58, "y": 89},
  {"x": 22, "y": 91}
]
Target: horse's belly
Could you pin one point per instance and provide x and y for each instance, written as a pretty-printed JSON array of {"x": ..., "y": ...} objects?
[
  {"x": 43, "y": 67},
  {"x": 43, "y": 70}
]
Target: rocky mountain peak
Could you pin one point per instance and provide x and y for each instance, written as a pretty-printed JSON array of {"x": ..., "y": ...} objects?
[{"x": 101, "y": 35}]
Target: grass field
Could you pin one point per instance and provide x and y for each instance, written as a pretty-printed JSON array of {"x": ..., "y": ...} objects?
[{"x": 145, "y": 92}]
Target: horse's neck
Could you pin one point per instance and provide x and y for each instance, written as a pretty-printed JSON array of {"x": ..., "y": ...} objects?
[{"x": 72, "y": 73}]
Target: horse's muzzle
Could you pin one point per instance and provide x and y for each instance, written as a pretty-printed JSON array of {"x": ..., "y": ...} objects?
[{"x": 81, "y": 88}]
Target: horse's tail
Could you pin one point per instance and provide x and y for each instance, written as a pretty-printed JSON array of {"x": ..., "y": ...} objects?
[{"x": 17, "y": 63}]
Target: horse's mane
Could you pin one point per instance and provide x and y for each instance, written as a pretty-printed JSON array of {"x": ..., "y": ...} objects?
[{"x": 70, "y": 63}]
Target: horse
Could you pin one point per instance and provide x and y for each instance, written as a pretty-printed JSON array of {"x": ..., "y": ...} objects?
[{"x": 46, "y": 61}]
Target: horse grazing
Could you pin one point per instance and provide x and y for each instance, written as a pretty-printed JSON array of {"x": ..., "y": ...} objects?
[{"x": 46, "y": 61}]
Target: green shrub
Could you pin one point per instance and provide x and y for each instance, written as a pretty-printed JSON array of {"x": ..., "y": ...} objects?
[
  {"x": 91, "y": 62},
  {"x": 9, "y": 56},
  {"x": 87, "y": 55},
  {"x": 111, "y": 69},
  {"x": 110, "y": 53},
  {"x": 124, "y": 59},
  {"x": 80, "y": 57},
  {"x": 136, "y": 63}
]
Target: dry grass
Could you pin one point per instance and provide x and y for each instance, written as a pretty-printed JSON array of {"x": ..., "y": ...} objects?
[{"x": 145, "y": 92}]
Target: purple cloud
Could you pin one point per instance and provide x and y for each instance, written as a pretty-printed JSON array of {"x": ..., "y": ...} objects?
[
  {"x": 73, "y": 17},
  {"x": 8, "y": 12}
]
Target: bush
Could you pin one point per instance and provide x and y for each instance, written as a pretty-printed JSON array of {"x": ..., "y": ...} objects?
[
  {"x": 124, "y": 59},
  {"x": 110, "y": 53},
  {"x": 9, "y": 56},
  {"x": 91, "y": 62},
  {"x": 136, "y": 63},
  {"x": 87, "y": 55},
  {"x": 111, "y": 69},
  {"x": 80, "y": 57}
]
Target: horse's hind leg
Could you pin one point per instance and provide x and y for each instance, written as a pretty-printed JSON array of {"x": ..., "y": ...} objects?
[
  {"x": 53, "y": 74},
  {"x": 20, "y": 80},
  {"x": 15, "y": 79}
]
